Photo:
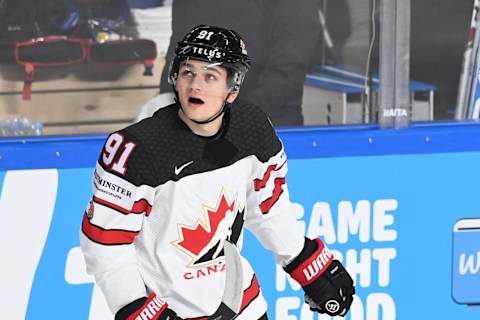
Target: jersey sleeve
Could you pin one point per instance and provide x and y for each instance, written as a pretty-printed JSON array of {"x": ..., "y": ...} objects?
[
  {"x": 270, "y": 215},
  {"x": 122, "y": 197}
]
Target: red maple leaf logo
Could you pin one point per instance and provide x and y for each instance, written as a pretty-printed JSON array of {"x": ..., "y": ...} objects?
[{"x": 195, "y": 239}]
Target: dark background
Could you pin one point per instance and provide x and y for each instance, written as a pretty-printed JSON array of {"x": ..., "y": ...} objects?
[{"x": 439, "y": 32}]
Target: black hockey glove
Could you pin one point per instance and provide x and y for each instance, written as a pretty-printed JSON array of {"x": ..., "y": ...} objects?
[
  {"x": 151, "y": 308},
  {"x": 327, "y": 285}
]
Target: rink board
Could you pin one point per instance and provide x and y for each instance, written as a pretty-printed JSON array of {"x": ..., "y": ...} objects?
[{"x": 384, "y": 201}]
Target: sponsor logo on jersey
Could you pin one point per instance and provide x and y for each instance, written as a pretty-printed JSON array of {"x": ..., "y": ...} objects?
[
  {"x": 203, "y": 241},
  {"x": 179, "y": 169},
  {"x": 107, "y": 187}
]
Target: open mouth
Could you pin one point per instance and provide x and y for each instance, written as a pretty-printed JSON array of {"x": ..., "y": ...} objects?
[{"x": 196, "y": 101}]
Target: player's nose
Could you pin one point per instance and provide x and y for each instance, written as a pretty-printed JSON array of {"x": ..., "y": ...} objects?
[{"x": 196, "y": 84}]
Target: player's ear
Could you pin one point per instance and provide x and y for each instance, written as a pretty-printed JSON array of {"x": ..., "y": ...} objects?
[{"x": 232, "y": 96}]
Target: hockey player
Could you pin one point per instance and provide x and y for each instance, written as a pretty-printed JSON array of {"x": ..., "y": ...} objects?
[{"x": 169, "y": 190}]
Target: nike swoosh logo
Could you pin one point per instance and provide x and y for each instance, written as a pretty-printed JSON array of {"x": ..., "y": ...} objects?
[{"x": 179, "y": 169}]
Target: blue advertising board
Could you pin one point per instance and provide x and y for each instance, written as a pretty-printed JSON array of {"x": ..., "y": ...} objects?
[
  {"x": 385, "y": 202},
  {"x": 466, "y": 261}
]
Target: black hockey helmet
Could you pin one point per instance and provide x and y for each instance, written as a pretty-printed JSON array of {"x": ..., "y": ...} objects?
[{"x": 215, "y": 45}]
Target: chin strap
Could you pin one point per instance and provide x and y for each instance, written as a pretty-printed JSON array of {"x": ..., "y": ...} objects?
[
  {"x": 225, "y": 106},
  {"x": 215, "y": 116}
]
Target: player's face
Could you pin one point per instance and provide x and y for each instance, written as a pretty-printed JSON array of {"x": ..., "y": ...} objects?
[{"x": 202, "y": 89}]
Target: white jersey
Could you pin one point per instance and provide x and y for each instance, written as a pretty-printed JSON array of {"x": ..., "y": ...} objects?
[{"x": 165, "y": 200}]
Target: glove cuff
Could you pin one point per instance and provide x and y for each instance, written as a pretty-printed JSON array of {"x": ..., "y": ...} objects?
[
  {"x": 311, "y": 263},
  {"x": 143, "y": 308},
  {"x": 130, "y": 308}
]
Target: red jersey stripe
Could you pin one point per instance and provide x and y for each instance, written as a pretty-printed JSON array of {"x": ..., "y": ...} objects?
[
  {"x": 266, "y": 205},
  {"x": 107, "y": 237},
  {"x": 139, "y": 206},
  {"x": 250, "y": 293},
  {"x": 261, "y": 183}
]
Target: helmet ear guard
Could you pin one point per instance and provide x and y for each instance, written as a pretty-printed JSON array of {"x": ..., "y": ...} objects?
[
  {"x": 234, "y": 79},
  {"x": 173, "y": 72}
]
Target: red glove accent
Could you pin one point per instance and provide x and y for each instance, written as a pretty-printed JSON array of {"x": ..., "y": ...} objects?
[
  {"x": 150, "y": 310},
  {"x": 312, "y": 268}
]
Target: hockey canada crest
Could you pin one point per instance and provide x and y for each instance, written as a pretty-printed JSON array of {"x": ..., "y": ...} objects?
[{"x": 203, "y": 241}]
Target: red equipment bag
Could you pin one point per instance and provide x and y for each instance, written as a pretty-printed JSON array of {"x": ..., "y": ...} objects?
[{"x": 51, "y": 51}]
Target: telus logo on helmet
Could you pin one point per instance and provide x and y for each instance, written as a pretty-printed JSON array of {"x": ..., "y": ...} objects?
[{"x": 207, "y": 53}]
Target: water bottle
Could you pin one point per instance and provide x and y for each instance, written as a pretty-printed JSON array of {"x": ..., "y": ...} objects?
[{"x": 19, "y": 126}]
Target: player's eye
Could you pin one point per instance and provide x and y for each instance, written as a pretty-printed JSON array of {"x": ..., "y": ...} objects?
[
  {"x": 187, "y": 73},
  {"x": 211, "y": 77}
]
